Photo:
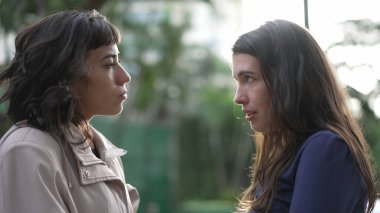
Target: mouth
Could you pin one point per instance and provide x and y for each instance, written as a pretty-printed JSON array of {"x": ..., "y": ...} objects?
[
  {"x": 250, "y": 115},
  {"x": 123, "y": 95}
]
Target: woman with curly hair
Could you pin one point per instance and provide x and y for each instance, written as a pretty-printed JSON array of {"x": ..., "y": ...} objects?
[{"x": 65, "y": 71}]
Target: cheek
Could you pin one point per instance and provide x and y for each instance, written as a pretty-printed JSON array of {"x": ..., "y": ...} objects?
[
  {"x": 265, "y": 95},
  {"x": 79, "y": 89},
  {"x": 267, "y": 100},
  {"x": 258, "y": 96}
]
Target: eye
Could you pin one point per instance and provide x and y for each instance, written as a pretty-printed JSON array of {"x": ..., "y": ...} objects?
[
  {"x": 110, "y": 65},
  {"x": 248, "y": 78},
  {"x": 111, "y": 62}
]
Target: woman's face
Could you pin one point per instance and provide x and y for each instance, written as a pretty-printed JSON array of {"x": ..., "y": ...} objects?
[
  {"x": 251, "y": 93},
  {"x": 103, "y": 91}
]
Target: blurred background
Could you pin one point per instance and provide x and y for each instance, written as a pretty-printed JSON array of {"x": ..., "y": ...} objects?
[{"x": 189, "y": 151}]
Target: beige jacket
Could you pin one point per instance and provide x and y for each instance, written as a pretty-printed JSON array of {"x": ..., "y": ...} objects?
[{"x": 38, "y": 175}]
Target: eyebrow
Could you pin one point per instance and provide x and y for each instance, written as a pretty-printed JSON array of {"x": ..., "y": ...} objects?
[
  {"x": 245, "y": 72},
  {"x": 110, "y": 55}
]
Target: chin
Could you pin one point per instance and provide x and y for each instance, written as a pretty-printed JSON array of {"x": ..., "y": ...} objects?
[
  {"x": 257, "y": 128},
  {"x": 118, "y": 111},
  {"x": 113, "y": 112}
]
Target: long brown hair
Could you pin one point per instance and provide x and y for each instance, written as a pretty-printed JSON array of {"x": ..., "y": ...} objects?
[{"x": 306, "y": 97}]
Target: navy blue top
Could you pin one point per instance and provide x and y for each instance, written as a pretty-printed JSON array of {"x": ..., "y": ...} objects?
[{"x": 323, "y": 177}]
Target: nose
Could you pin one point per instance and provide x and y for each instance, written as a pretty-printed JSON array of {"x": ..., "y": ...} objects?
[
  {"x": 240, "y": 96},
  {"x": 123, "y": 76}
]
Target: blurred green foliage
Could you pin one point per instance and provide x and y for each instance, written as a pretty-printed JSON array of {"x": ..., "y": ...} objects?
[
  {"x": 181, "y": 87},
  {"x": 211, "y": 206},
  {"x": 179, "y": 125}
]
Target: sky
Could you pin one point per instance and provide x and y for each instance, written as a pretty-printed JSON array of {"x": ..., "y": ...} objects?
[{"x": 324, "y": 15}]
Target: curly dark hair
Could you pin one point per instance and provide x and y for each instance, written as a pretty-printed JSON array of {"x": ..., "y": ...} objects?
[{"x": 50, "y": 55}]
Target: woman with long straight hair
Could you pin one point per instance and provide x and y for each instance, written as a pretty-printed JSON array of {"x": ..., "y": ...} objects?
[{"x": 311, "y": 155}]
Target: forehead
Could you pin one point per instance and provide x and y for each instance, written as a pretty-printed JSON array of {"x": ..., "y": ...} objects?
[
  {"x": 103, "y": 52},
  {"x": 242, "y": 62}
]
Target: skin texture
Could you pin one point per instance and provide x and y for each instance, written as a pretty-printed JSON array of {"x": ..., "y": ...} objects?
[
  {"x": 251, "y": 93},
  {"x": 103, "y": 91}
]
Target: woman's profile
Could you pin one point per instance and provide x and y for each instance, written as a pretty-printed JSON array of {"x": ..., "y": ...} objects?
[
  {"x": 311, "y": 155},
  {"x": 65, "y": 71}
]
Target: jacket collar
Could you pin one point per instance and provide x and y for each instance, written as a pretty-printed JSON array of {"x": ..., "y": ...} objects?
[
  {"x": 107, "y": 151},
  {"x": 91, "y": 168}
]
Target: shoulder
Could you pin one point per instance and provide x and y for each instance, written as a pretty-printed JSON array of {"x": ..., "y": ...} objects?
[
  {"x": 319, "y": 150},
  {"x": 28, "y": 138},
  {"x": 323, "y": 140},
  {"x": 324, "y": 136},
  {"x": 30, "y": 152},
  {"x": 325, "y": 175},
  {"x": 324, "y": 149}
]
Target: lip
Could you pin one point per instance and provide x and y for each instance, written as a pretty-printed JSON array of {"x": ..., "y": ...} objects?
[
  {"x": 123, "y": 95},
  {"x": 249, "y": 115}
]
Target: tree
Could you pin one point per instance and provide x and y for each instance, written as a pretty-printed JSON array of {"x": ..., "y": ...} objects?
[
  {"x": 364, "y": 33},
  {"x": 184, "y": 87}
]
